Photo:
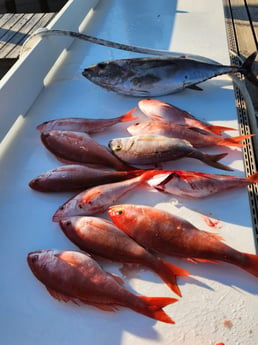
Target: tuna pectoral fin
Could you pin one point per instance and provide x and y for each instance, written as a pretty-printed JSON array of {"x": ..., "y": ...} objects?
[
  {"x": 154, "y": 307},
  {"x": 194, "y": 87},
  {"x": 168, "y": 273},
  {"x": 212, "y": 160}
]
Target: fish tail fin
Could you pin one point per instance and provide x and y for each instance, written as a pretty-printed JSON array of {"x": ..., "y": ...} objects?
[
  {"x": 168, "y": 273},
  {"x": 234, "y": 141},
  {"x": 212, "y": 160},
  {"x": 154, "y": 305},
  {"x": 251, "y": 265},
  {"x": 253, "y": 178},
  {"x": 218, "y": 129},
  {"x": 246, "y": 68},
  {"x": 129, "y": 116}
]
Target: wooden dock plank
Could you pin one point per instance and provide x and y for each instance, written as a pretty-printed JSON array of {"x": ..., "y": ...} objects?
[
  {"x": 38, "y": 20},
  {"x": 253, "y": 14},
  {"x": 15, "y": 28},
  {"x": 42, "y": 22}
]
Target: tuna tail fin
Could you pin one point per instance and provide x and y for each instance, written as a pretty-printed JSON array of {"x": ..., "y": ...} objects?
[
  {"x": 129, "y": 116},
  {"x": 154, "y": 305},
  {"x": 218, "y": 129},
  {"x": 251, "y": 265},
  {"x": 253, "y": 178},
  {"x": 212, "y": 160},
  {"x": 234, "y": 141},
  {"x": 246, "y": 68},
  {"x": 168, "y": 273}
]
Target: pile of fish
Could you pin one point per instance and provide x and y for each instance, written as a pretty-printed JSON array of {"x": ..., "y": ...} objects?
[{"x": 100, "y": 175}]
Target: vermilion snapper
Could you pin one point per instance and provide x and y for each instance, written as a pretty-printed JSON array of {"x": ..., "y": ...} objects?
[
  {"x": 171, "y": 130},
  {"x": 74, "y": 276},
  {"x": 167, "y": 234},
  {"x": 154, "y": 149},
  {"x": 75, "y": 177},
  {"x": 152, "y": 76},
  {"x": 86, "y": 125},
  {"x": 161, "y": 111},
  {"x": 79, "y": 147},
  {"x": 97, "y": 199},
  {"x": 101, "y": 237},
  {"x": 193, "y": 184}
]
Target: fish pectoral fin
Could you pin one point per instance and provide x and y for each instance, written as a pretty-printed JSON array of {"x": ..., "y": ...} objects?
[
  {"x": 198, "y": 260},
  {"x": 61, "y": 297},
  {"x": 194, "y": 87}
]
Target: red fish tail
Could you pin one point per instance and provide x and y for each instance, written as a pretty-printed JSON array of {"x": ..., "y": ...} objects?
[
  {"x": 129, "y": 116},
  {"x": 154, "y": 307},
  {"x": 251, "y": 265},
  {"x": 218, "y": 129},
  {"x": 253, "y": 178},
  {"x": 168, "y": 273},
  {"x": 212, "y": 160},
  {"x": 234, "y": 141}
]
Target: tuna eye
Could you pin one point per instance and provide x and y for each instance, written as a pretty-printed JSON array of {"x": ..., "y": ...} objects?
[
  {"x": 101, "y": 65},
  {"x": 34, "y": 258},
  {"x": 119, "y": 212}
]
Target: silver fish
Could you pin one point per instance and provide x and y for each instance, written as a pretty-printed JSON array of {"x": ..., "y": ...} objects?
[
  {"x": 154, "y": 76},
  {"x": 153, "y": 149}
]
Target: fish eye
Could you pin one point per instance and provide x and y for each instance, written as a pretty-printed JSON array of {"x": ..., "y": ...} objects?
[
  {"x": 34, "y": 258},
  {"x": 101, "y": 65},
  {"x": 118, "y": 213},
  {"x": 118, "y": 147}
]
